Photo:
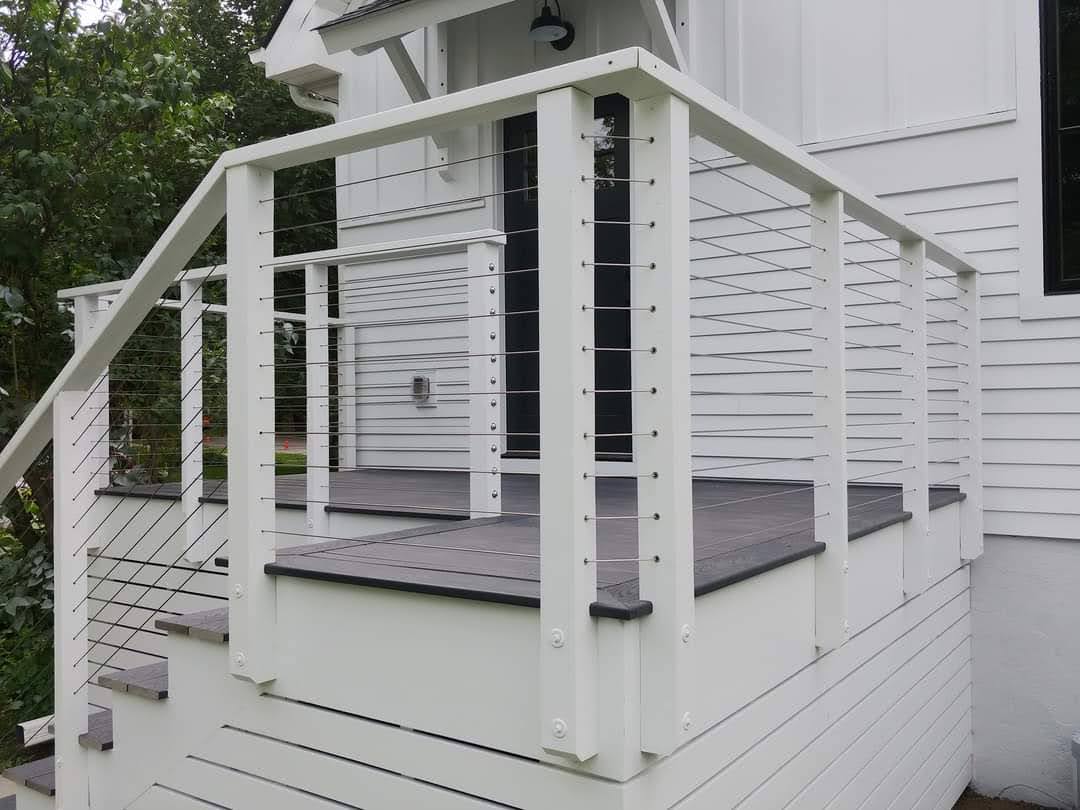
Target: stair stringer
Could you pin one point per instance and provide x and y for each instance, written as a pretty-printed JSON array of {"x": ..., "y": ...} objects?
[
  {"x": 218, "y": 742},
  {"x": 152, "y": 735}
]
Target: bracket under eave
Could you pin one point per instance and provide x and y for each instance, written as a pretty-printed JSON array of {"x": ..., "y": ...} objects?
[
  {"x": 665, "y": 39},
  {"x": 417, "y": 88}
]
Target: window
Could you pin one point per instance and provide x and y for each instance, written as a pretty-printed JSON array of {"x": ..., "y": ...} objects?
[
  {"x": 1061, "y": 144},
  {"x": 614, "y": 408}
]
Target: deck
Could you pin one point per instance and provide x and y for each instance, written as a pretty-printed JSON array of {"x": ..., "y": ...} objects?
[{"x": 741, "y": 529}]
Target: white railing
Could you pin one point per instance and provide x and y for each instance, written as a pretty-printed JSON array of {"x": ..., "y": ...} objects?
[{"x": 667, "y": 110}]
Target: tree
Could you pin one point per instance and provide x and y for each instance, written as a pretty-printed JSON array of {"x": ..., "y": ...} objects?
[{"x": 104, "y": 132}]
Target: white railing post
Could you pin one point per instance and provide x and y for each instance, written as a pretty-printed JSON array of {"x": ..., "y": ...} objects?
[
  {"x": 250, "y": 347},
  {"x": 830, "y": 420},
  {"x": 485, "y": 379},
  {"x": 89, "y": 311},
  {"x": 73, "y": 495},
  {"x": 971, "y": 482},
  {"x": 915, "y": 477},
  {"x": 317, "y": 346},
  {"x": 347, "y": 424},
  {"x": 661, "y": 420},
  {"x": 568, "y": 665},
  {"x": 196, "y": 546}
]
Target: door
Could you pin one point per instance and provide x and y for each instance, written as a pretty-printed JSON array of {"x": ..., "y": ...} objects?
[{"x": 612, "y": 247}]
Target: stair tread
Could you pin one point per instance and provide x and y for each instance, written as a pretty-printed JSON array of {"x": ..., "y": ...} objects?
[
  {"x": 208, "y": 625},
  {"x": 150, "y": 681},
  {"x": 38, "y": 775},
  {"x": 99, "y": 731},
  {"x": 7, "y": 803}
]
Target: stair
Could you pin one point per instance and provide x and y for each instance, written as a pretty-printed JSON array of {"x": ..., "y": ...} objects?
[
  {"x": 150, "y": 682},
  {"x": 99, "y": 732},
  {"x": 39, "y": 776},
  {"x": 209, "y": 625}
]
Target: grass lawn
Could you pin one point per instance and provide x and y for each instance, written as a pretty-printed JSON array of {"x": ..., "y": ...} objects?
[{"x": 216, "y": 465}]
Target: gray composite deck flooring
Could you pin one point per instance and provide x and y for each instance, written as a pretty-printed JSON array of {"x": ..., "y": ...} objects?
[{"x": 741, "y": 528}]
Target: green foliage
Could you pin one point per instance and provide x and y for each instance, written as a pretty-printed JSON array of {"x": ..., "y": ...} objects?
[
  {"x": 290, "y": 463},
  {"x": 104, "y": 132},
  {"x": 26, "y": 587}
]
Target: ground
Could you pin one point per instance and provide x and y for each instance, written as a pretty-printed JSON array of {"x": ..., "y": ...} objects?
[{"x": 969, "y": 801}]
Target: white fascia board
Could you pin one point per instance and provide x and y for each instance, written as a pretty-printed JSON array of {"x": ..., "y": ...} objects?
[
  {"x": 363, "y": 32},
  {"x": 295, "y": 54}
]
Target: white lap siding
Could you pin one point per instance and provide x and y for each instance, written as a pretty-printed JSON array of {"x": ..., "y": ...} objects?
[{"x": 409, "y": 318}]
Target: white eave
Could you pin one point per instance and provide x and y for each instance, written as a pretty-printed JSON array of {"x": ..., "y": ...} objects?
[{"x": 372, "y": 26}]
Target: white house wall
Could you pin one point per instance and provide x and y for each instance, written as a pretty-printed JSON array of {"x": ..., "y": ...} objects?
[
  {"x": 817, "y": 70},
  {"x": 392, "y": 428},
  {"x": 856, "y": 81}
]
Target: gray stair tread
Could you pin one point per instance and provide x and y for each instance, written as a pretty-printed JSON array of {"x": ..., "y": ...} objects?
[
  {"x": 99, "y": 731},
  {"x": 7, "y": 803},
  {"x": 209, "y": 625},
  {"x": 38, "y": 775},
  {"x": 150, "y": 681}
]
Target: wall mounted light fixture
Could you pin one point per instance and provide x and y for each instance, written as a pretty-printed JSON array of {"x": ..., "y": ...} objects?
[{"x": 549, "y": 27}]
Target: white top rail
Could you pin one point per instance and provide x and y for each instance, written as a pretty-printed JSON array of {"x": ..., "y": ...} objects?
[
  {"x": 379, "y": 251},
  {"x": 634, "y": 72}
]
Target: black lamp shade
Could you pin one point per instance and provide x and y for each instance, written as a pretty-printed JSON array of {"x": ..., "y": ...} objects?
[{"x": 548, "y": 27}]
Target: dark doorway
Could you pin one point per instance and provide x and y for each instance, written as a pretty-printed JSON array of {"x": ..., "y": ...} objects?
[{"x": 613, "y": 410}]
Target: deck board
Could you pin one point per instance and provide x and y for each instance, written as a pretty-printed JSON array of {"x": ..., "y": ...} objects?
[{"x": 741, "y": 528}]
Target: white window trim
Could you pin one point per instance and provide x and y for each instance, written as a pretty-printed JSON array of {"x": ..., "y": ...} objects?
[{"x": 1035, "y": 304}]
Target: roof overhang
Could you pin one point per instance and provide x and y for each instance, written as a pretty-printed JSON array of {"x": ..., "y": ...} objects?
[
  {"x": 372, "y": 25},
  {"x": 368, "y": 27}
]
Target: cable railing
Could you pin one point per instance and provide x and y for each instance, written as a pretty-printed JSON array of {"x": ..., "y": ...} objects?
[{"x": 678, "y": 357}]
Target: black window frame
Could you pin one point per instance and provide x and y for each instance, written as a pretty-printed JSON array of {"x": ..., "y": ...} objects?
[{"x": 1055, "y": 280}]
